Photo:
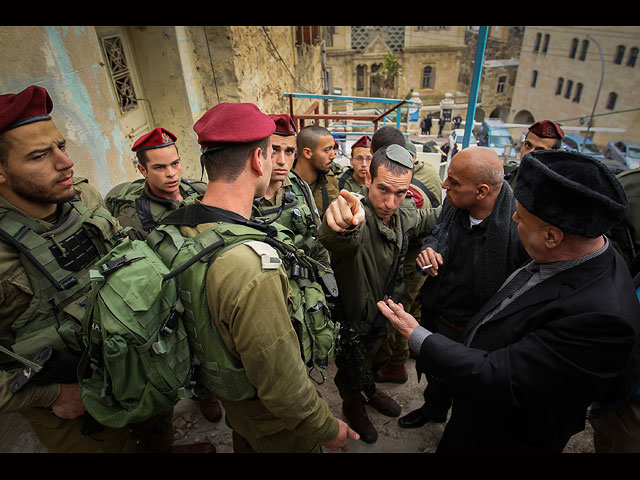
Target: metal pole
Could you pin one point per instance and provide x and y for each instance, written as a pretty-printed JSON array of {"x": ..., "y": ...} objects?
[
  {"x": 586, "y": 134},
  {"x": 475, "y": 83}
]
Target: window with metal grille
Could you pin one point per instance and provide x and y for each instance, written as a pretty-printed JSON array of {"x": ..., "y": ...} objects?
[{"x": 120, "y": 74}]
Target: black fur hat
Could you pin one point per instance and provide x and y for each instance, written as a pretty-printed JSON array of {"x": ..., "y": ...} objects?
[{"x": 575, "y": 192}]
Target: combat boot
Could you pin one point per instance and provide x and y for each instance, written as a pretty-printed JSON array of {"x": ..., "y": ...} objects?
[
  {"x": 393, "y": 373},
  {"x": 356, "y": 416},
  {"x": 383, "y": 403},
  {"x": 211, "y": 408}
]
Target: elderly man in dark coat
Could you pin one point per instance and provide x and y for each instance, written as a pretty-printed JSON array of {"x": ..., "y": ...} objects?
[{"x": 561, "y": 333}]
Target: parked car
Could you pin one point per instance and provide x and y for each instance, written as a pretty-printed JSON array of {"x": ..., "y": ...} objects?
[
  {"x": 573, "y": 142},
  {"x": 624, "y": 152},
  {"x": 494, "y": 134}
]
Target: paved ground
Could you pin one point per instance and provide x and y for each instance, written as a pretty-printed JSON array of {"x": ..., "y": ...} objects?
[{"x": 191, "y": 426}]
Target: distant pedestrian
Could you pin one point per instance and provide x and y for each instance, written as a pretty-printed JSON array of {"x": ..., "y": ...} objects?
[
  {"x": 427, "y": 124},
  {"x": 441, "y": 123}
]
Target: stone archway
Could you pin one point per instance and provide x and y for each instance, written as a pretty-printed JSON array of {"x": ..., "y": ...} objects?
[{"x": 524, "y": 117}]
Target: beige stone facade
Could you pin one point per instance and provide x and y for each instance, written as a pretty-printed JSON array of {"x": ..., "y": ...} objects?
[
  {"x": 545, "y": 62},
  {"x": 110, "y": 85}
]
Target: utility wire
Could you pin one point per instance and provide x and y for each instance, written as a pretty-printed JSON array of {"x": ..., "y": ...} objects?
[{"x": 211, "y": 62}]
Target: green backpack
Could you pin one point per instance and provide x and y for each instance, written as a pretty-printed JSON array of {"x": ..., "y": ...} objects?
[{"x": 150, "y": 341}]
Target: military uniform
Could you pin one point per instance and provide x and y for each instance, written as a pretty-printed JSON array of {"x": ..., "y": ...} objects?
[
  {"x": 325, "y": 190},
  {"x": 16, "y": 295},
  {"x": 364, "y": 259},
  {"x": 248, "y": 295},
  {"x": 347, "y": 182},
  {"x": 300, "y": 217},
  {"x": 287, "y": 415},
  {"x": 139, "y": 210}
]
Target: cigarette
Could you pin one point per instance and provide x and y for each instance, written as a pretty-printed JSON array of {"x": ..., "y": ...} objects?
[{"x": 427, "y": 267}]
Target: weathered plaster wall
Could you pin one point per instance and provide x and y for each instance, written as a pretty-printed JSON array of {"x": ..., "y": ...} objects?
[{"x": 66, "y": 61}]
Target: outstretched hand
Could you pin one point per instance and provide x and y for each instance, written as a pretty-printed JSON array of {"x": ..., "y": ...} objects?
[
  {"x": 402, "y": 321},
  {"x": 344, "y": 212}
]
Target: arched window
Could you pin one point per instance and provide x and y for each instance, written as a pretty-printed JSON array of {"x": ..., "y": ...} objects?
[
  {"x": 611, "y": 101},
  {"x": 633, "y": 56},
  {"x": 428, "y": 76},
  {"x": 578, "y": 93},
  {"x": 559, "y": 86},
  {"x": 567, "y": 93},
  {"x": 583, "y": 51},
  {"x": 360, "y": 72},
  {"x": 545, "y": 46},
  {"x": 536, "y": 46},
  {"x": 574, "y": 48},
  {"x": 619, "y": 54}
]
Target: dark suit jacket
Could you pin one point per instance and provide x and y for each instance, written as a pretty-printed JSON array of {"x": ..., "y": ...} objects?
[{"x": 526, "y": 379}]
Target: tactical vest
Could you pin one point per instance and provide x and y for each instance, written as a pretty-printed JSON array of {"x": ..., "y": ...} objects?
[
  {"x": 57, "y": 262},
  {"x": 297, "y": 215},
  {"x": 149, "y": 212},
  {"x": 313, "y": 286}
]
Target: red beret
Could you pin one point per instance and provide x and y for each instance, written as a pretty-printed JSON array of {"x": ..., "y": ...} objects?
[
  {"x": 284, "y": 125},
  {"x": 364, "y": 141},
  {"x": 30, "y": 105},
  {"x": 546, "y": 129},
  {"x": 156, "y": 138},
  {"x": 233, "y": 123}
]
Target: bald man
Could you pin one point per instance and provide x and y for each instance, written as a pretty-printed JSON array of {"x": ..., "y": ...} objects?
[{"x": 466, "y": 258}]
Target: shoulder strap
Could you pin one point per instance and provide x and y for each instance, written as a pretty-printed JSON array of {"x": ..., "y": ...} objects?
[
  {"x": 344, "y": 177},
  {"x": 434, "y": 201}
]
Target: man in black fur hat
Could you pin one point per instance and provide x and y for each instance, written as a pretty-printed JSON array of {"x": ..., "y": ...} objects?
[{"x": 562, "y": 332}]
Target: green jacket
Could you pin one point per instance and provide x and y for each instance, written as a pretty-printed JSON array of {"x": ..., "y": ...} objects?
[
  {"x": 248, "y": 305},
  {"x": 365, "y": 258},
  {"x": 137, "y": 207},
  {"x": 17, "y": 292},
  {"x": 347, "y": 182},
  {"x": 301, "y": 219}
]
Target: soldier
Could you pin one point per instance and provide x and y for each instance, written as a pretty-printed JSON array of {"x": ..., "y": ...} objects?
[
  {"x": 247, "y": 291},
  {"x": 368, "y": 240},
  {"x": 314, "y": 164},
  {"x": 299, "y": 215},
  {"x": 426, "y": 191},
  {"x": 353, "y": 178},
  {"x": 142, "y": 203},
  {"x": 53, "y": 228},
  {"x": 542, "y": 135}
]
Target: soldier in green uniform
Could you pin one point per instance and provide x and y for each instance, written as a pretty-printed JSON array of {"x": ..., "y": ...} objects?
[
  {"x": 353, "y": 178},
  {"x": 368, "y": 240},
  {"x": 53, "y": 228},
  {"x": 247, "y": 292},
  {"x": 142, "y": 203},
  {"x": 426, "y": 192},
  {"x": 314, "y": 164},
  {"x": 299, "y": 213}
]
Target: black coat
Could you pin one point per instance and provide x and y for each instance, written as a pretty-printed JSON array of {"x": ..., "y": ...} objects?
[{"x": 526, "y": 379}]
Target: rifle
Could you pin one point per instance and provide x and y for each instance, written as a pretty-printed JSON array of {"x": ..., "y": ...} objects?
[{"x": 47, "y": 367}]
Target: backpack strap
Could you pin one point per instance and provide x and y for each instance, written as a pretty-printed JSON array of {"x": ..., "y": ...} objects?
[{"x": 434, "y": 201}]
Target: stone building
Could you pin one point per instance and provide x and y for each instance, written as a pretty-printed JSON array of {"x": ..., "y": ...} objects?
[
  {"x": 559, "y": 78},
  {"x": 110, "y": 85}
]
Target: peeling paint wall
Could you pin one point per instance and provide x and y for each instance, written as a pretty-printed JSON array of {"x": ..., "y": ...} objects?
[
  {"x": 181, "y": 72},
  {"x": 67, "y": 62}
]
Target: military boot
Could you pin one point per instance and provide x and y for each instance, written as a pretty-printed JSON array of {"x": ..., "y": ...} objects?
[
  {"x": 356, "y": 416},
  {"x": 393, "y": 373},
  {"x": 383, "y": 403}
]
